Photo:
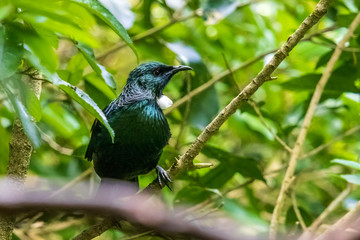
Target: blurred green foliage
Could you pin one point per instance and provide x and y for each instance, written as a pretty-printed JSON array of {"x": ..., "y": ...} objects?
[{"x": 62, "y": 39}]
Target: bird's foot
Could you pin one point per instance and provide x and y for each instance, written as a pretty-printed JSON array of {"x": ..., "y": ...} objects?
[{"x": 162, "y": 177}]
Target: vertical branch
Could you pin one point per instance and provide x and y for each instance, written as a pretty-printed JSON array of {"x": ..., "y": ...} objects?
[
  {"x": 20, "y": 150},
  {"x": 305, "y": 126}
]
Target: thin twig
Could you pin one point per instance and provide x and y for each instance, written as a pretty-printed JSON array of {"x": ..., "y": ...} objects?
[
  {"x": 332, "y": 206},
  {"x": 297, "y": 211},
  {"x": 54, "y": 145},
  {"x": 202, "y": 165},
  {"x": 239, "y": 186},
  {"x": 215, "y": 79},
  {"x": 76, "y": 180},
  {"x": 324, "y": 4},
  {"x": 262, "y": 120},
  {"x": 325, "y": 145},
  {"x": 147, "y": 34},
  {"x": 232, "y": 77},
  {"x": 226, "y": 73},
  {"x": 136, "y": 236},
  {"x": 186, "y": 113},
  {"x": 337, "y": 230}
]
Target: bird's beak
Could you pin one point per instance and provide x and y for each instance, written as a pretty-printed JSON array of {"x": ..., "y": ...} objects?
[{"x": 176, "y": 69}]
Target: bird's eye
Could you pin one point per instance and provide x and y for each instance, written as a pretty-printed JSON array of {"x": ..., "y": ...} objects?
[{"x": 156, "y": 72}]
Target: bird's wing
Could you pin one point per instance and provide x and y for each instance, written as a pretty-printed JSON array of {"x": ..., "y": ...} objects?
[{"x": 96, "y": 128}]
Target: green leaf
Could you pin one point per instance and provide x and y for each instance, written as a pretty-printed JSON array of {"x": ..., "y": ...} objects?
[
  {"x": 345, "y": 20},
  {"x": 38, "y": 46},
  {"x": 347, "y": 163},
  {"x": 99, "y": 69},
  {"x": 33, "y": 105},
  {"x": 192, "y": 194},
  {"x": 5, "y": 11},
  {"x": 244, "y": 216},
  {"x": 98, "y": 90},
  {"x": 256, "y": 125},
  {"x": 77, "y": 94},
  {"x": 85, "y": 101},
  {"x": 109, "y": 19},
  {"x": 28, "y": 125},
  {"x": 230, "y": 164},
  {"x": 68, "y": 30},
  {"x": 28, "y": 98},
  {"x": 11, "y": 52},
  {"x": 346, "y": 74},
  {"x": 218, "y": 176},
  {"x": 67, "y": 12},
  {"x": 214, "y": 10},
  {"x": 200, "y": 114},
  {"x": 352, "y": 178}
]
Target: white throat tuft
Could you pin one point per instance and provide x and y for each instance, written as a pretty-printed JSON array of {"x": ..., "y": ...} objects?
[{"x": 164, "y": 102}]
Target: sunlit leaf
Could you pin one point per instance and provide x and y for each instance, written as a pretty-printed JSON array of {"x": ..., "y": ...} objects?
[
  {"x": 68, "y": 30},
  {"x": 38, "y": 46},
  {"x": 11, "y": 51},
  {"x": 5, "y": 11},
  {"x": 85, "y": 101},
  {"x": 99, "y": 69},
  {"x": 214, "y": 10},
  {"x": 28, "y": 98},
  {"x": 98, "y": 90},
  {"x": 76, "y": 93},
  {"x": 347, "y": 163},
  {"x": 352, "y": 178},
  {"x": 121, "y": 11},
  {"x": 28, "y": 125},
  {"x": 107, "y": 17}
]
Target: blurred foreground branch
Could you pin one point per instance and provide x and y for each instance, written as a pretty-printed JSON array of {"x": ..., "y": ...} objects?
[
  {"x": 135, "y": 208},
  {"x": 306, "y": 124},
  {"x": 151, "y": 215}
]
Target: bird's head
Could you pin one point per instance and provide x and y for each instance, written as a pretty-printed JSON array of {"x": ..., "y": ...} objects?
[{"x": 153, "y": 76}]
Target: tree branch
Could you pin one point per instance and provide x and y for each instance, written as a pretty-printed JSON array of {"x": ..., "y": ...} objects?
[
  {"x": 307, "y": 120},
  {"x": 338, "y": 230},
  {"x": 258, "y": 112},
  {"x": 20, "y": 150},
  {"x": 134, "y": 208},
  {"x": 185, "y": 161},
  {"x": 297, "y": 211}
]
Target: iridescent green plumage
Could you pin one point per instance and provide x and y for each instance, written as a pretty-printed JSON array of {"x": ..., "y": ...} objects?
[{"x": 140, "y": 126}]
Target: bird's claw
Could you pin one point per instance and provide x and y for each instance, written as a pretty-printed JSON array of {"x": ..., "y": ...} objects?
[{"x": 162, "y": 177}]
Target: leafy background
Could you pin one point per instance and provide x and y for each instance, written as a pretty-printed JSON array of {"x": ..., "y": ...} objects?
[{"x": 71, "y": 43}]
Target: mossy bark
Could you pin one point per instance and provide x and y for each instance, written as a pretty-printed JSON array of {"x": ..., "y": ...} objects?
[{"x": 20, "y": 150}]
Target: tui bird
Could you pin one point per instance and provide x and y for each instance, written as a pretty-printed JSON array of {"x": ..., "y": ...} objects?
[{"x": 140, "y": 126}]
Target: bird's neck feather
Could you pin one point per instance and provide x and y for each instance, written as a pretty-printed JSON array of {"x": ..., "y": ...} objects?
[{"x": 133, "y": 93}]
